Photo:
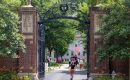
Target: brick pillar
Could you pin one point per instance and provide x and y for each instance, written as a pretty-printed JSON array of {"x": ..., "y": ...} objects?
[
  {"x": 28, "y": 61},
  {"x": 96, "y": 42},
  {"x": 129, "y": 69},
  {"x": 91, "y": 57}
]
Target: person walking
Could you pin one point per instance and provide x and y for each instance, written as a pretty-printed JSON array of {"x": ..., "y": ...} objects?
[
  {"x": 72, "y": 69},
  {"x": 69, "y": 62},
  {"x": 81, "y": 64}
]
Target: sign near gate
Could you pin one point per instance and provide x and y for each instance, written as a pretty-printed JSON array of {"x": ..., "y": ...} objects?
[{"x": 27, "y": 23}]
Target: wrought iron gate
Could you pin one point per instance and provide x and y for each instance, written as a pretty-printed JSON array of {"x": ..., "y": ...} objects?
[
  {"x": 48, "y": 17},
  {"x": 41, "y": 51}
]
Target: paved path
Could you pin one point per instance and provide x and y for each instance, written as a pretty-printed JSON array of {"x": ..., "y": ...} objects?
[{"x": 63, "y": 74}]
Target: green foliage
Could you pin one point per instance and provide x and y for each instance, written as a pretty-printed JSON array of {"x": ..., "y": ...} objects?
[
  {"x": 23, "y": 2},
  {"x": 59, "y": 36},
  {"x": 26, "y": 78},
  {"x": 86, "y": 66},
  {"x": 44, "y": 5},
  {"x": 53, "y": 64},
  {"x": 116, "y": 32},
  {"x": 91, "y": 3},
  {"x": 10, "y": 39},
  {"x": 85, "y": 16},
  {"x": 65, "y": 62},
  {"x": 13, "y": 76},
  {"x": 61, "y": 32},
  {"x": 7, "y": 75}
]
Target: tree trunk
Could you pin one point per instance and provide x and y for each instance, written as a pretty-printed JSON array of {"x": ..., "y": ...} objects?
[
  {"x": 50, "y": 50},
  {"x": 110, "y": 65},
  {"x": 56, "y": 55},
  {"x": 50, "y": 53}
]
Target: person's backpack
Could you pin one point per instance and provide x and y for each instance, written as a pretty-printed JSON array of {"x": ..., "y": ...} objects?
[{"x": 72, "y": 63}]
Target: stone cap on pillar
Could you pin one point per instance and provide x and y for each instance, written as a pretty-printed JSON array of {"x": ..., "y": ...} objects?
[
  {"x": 28, "y": 8},
  {"x": 28, "y": 4}
]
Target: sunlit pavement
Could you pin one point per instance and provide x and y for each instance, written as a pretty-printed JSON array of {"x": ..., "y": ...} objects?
[{"x": 63, "y": 74}]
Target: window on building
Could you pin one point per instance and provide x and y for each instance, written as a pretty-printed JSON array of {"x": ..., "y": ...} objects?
[
  {"x": 83, "y": 53},
  {"x": 72, "y": 54}
]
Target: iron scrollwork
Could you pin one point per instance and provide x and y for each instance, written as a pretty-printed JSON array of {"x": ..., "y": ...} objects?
[
  {"x": 50, "y": 15},
  {"x": 41, "y": 43}
]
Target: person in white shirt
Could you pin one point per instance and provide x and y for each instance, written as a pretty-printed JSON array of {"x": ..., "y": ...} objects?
[{"x": 81, "y": 64}]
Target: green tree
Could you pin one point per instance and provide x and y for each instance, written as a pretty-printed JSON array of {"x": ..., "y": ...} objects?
[
  {"x": 44, "y": 5},
  {"x": 116, "y": 32},
  {"x": 10, "y": 39},
  {"x": 59, "y": 35},
  {"x": 60, "y": 47},
  {"x": 58, "y": 29}
]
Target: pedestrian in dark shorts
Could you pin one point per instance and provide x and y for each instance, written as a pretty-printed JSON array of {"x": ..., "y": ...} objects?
[{"x": 72, "y": 69}]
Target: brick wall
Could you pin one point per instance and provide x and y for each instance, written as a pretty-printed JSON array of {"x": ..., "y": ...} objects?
[
  {"x": 8, "y": 64},
  {"x": 121, "y": 66},
  {"x": 96, "y": 42}
]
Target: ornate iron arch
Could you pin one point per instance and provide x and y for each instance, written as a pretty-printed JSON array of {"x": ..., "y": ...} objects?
[{"x": 52, "y": 14}]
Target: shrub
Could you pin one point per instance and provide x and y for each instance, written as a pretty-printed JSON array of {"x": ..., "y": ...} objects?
[
  {"x": 85, "y": 66},
  {"x": 53, "y": 64},
  {"x": 7, "y": 75},
  {"x": 65, "y": 62},
  {"x": 13, "y": 76},
  {"x": 27, "y": 78}
]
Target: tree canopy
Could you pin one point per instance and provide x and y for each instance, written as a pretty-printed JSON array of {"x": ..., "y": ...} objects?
[
  {"x": 10, "y": 39},
  {"x": 61, "y": 33},
  {"x": 116, "y": 31}
]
